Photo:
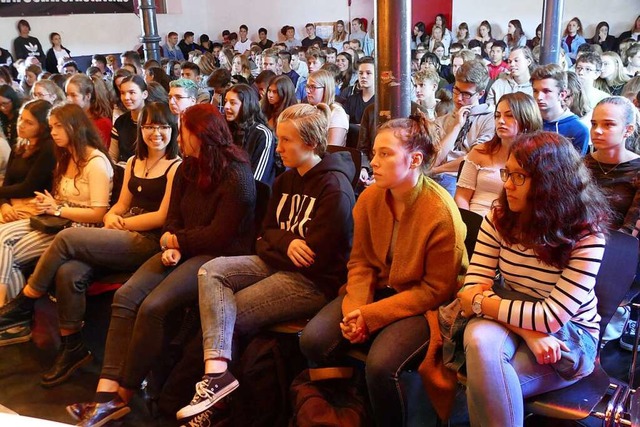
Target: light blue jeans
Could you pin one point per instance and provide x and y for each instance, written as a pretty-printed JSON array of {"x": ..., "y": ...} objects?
[
  {"x": 501, "y": 373},
  {"x": 244, "y": 294}
]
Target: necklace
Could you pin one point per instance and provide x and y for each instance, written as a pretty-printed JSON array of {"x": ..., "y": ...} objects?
[
  {"x": 147, "y": 170},
  {"x": 610, "y": 170}
]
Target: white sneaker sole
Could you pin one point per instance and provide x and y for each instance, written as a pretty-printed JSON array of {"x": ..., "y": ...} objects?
[{"x": 191, "y": 410}]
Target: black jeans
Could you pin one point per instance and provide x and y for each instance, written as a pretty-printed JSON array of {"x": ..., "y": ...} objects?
[
  {"x": 138, "y": 314},
  {"x": 391, "y": 349}
]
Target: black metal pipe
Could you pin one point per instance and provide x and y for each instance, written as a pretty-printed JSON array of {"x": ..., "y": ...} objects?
[
  {"x": 150, "y": 38},
  {"x": 552, "y": 11}
]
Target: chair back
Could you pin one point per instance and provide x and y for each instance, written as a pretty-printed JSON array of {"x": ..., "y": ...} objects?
[
  {"x": 616, "y": 274},
  {"x": 356, "y": 156},
  {"x": 473, "y": 221}
]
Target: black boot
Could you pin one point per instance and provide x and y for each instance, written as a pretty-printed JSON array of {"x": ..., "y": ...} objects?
[
  {"x": 17, "y": 312},
  {"x": 71, "y": 356}
]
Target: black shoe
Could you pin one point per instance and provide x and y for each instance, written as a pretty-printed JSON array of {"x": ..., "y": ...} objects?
[
  {"x": 67, "y": 362},
  {"x": 17, "y": 312},
  {"x": 79, "y": 411},
  {"x": 101, "y": 413},
  {"x": 628, "y": 338},
  {"x": 208, "y": 391},
  {"x": 15, "y": 335}
]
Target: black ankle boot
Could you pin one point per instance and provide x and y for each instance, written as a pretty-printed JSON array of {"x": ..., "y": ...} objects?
[
  {"x": 71, "y": 356},
  {"x": 17, "y": 312}
]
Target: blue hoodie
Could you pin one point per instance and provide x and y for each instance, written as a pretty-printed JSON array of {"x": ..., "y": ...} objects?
[{"x": 570, "y": 126}]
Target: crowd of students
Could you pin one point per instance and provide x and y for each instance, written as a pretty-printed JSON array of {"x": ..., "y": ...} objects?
[{"x": 548, "y": 156}]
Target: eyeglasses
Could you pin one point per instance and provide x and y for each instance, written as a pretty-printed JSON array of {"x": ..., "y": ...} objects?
[
  {"x": 312, "y": 87},
  {"x": 516, "y": 177},
  {"x": 586, "y": 69},
  {"x": 178, "y": 97},
  {"x": 153, "y": 128},
  {"x": 41, "y": 95},
  {"x": 465, "y": 95}
]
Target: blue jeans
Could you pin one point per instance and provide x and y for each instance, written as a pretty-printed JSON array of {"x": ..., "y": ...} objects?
[
  {"x": 139, "y": 312},
  {"x": 392, "y": 350},
  {"x": 501, "y": 373},
  {"x": 448, "y": 182},
  {"x": 244, "y": 294},
  {"x": 71, "y": 258}
]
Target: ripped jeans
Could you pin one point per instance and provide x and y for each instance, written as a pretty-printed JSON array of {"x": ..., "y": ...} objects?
[{"x": 244, "y": 294}]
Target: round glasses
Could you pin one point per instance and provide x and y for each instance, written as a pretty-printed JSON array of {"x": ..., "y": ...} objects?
[{"x": 516, "y": 177}]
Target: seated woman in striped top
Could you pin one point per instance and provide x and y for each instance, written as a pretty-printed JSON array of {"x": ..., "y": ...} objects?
[{"x": 547, "y": 244}]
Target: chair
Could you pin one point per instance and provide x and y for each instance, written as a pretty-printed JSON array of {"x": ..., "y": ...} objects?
[
  {"x": 353, "y": 133},
  {"x": 356, "y": 156},
  {"x": 473, "y": 221},
  {"x": 579, "y": 400},
  {"x": 263, "y": 194}
]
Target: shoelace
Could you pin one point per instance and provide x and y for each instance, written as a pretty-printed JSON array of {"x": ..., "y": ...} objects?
[{"x": 203, "y": 391}]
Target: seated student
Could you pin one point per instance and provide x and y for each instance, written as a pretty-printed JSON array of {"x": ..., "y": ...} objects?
[
  {"x": 188, "y": 45},
  {"x": 264, "y": 42},
  {"x": 612, "y": 77},
  {"x": 497, "y": 64},
  {"x": 403, "y": 264},
  {"x": 616, "y": 169},
  {"x": 183, "y": 94},
  {"x": 547, "y": 248},
  {"x": 588, "y": 68},
  {"x": 70, "y": 68},
  {"x": 130, "y": 237},
  {"x": 550, "y": 91},
  {"x": 633, "y": 60},
  {"x": 220, "y": 82},
  {"x": 133, "y": 93},
  {"x": 301, "y": 256},
  {"x": 216, "y": 177},
  {"x": 280, "y": 96},
  {"x": 250, "y": 131},
  {"x": 479, "y": 183},
  {"x": 315, "y": 60},
  {"x": 348, "y": 77},
  {"x": 285, "y": 58},
  {"x": 355, "y": 104},
  {"x": 29, "y": 168},
  {"x": 425, "y": 84},
  {"x": 261, "y": 83},
  {"x": 171, "y": 49},
  {"x": 92, "y": 96},
  {"x": 29, "y": 78},
  {"x": 82, "y": 183},
  {"x": 573, "y": 38},
  {"x": 515, "y": 36},
  {"x": 321, "y": 88},
  {"x": 191, "y": 71},
  {"x": 290, "y": 37},
  {"x": 521, "y": 64},
  {"x": 469, "y": 124},
  {"x": 430, "y": 61},
  {"x": 49, "y": 91}
]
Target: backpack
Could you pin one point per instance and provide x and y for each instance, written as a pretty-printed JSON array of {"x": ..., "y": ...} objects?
[
  {"x": 327, "y": 403},
  {"x": 266, "y": 368}
]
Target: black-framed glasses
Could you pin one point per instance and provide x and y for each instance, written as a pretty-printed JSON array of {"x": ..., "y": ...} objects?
[
  {"x": 516, "y": 177},
  {"x": 153, "y": 128},
  {"x": 465, "y": 95}
]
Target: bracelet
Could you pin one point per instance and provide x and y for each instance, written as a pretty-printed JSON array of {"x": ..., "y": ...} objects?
[{"x": 163, "y": 246}]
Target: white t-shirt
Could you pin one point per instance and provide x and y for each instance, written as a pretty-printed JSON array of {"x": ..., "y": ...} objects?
[
  {"x": 339, "y": 119},
  {"x": 242, "y": 46}
]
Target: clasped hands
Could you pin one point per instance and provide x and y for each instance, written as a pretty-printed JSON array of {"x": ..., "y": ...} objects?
[
  {"x": 353, "y": 327},
  {"x": 45, "y": 203}
]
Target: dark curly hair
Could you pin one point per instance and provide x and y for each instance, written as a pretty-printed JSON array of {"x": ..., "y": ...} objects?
[{"x": 565, "y": 203}]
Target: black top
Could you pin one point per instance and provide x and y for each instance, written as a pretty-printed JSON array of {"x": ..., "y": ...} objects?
[
  {"x": 51, "y": 62},
  {"x": 125, "y": 131},
  {"x": 217, "y": 222},
  {"x": 266, "y": 44},
  {"x": 5, "y": 57},
  {"x": 355, "y": 105},
  {"x": 148, "y": 192},
  {"x": 307, "y": 42},
  {"x": 315, "y": 207},
  {"x": 621, "y": 185},
  {"x": 24, "y": 47},
  {"x": 9, "y": 128},
  {"x": 24, "y": 175}
]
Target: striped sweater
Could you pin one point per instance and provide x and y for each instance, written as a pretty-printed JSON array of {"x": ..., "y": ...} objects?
[{"x": 562, "y": 295}]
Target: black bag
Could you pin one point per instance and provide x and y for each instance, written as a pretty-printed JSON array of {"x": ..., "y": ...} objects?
[{"x": 49, "y": 224}]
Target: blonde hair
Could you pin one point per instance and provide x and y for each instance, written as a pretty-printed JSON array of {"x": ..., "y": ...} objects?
[
  {"x": 426, "y": 75},
  {"x": 325, "y": 79},
  {"x": 311, "y": 122},
  {"x": 50, "y": 87}
]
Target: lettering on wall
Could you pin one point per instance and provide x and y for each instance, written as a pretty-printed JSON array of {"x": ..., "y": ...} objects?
[{"x": 63, "y": 7}]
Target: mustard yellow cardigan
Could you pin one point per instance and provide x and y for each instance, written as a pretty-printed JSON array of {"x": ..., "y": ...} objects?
[{"x": 429, "y": 258}]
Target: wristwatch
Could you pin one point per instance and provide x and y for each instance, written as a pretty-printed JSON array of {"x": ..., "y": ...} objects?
[
  {"x": 58, "y": 211},
  {"x": 476, "y": 304}
]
